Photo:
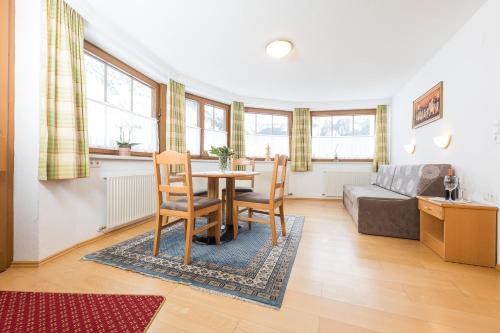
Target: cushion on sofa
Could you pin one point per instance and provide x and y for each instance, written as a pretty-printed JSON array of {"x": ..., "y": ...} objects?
[
  {"x": 385, "y": 175},
  {"x": 353, "y": 192},
  {"x": 412, "y": 180}
]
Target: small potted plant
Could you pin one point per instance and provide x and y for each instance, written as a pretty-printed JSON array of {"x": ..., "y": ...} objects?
[
  {"x": 124, "y": 144},
  {"x": 224, "y": 154}
]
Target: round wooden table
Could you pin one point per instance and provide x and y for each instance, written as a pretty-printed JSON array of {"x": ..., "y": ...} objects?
[{"x": 213, "y": 192}]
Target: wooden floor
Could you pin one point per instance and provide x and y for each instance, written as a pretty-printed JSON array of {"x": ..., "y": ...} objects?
[{"x": 341, "y": 281}]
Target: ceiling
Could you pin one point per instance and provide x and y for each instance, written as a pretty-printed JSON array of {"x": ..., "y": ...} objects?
[{"x": 345, "y": 50}]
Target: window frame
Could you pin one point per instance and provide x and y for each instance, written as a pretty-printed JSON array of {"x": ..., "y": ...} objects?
[
  {"x": 202, "y": 101},
  {"x": 329, "y": 113},
  {"x": 288, "y": 114},
  {"x": 157, "y": 111}
]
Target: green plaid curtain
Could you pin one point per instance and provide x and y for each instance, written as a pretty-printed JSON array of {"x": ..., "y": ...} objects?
[
  {"x": 176, "y": 119},
  {"x": 237, "y": 142},
  {"x": 380, "y": 154},
  {"x": 301, "y": 140},
  {"x": 63, "y": 152}
]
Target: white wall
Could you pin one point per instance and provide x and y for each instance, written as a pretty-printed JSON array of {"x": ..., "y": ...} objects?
[
  {"x": 469, "y": 65},
  {"x": 27, "y": 97}
]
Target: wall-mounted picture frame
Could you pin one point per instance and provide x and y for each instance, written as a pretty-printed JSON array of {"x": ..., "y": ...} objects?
[{"x": 428, "y": 107}]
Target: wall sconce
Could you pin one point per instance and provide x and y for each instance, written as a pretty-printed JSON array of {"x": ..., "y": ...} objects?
[
  {"x": 442, "y": 141},
  {"x": 410, "y": 148}
]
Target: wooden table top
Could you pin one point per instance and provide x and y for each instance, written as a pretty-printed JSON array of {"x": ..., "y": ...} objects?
[
  {"x": 442, "y": 202},
  {"x": 225, "y": 174}
]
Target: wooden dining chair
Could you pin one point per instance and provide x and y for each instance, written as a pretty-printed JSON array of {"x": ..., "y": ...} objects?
[
  {"x": 265, "y": 203},
  {"x": 245, "y": 163},
  {"x": 180, "y": 202}
]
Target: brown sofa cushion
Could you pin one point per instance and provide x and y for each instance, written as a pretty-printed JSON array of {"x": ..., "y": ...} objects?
[
  {"x": 181, "y": 204},
  {"x": 255, "y": 197}
]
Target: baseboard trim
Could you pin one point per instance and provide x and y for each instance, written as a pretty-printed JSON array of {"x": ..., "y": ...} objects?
[
  {"x": 34, "y": 264},
  {"x": 497, "y": 267}
]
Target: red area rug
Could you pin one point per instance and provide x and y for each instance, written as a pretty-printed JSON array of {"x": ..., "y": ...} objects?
[{"x": 60, "y": 312}]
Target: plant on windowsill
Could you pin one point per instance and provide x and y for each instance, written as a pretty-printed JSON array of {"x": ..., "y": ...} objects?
[
  {"x": 224, "y": 154},
  {"x": 124, "y": 144}
]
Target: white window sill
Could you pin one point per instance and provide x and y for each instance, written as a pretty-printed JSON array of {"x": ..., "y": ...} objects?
[{"x": 122, "y": 158}]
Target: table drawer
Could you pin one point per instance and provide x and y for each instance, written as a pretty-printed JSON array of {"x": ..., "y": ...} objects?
[{"x": 431, "y": 209}]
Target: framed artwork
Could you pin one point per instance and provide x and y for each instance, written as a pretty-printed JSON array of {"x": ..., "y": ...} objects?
[{"x": 428, "y": 107}]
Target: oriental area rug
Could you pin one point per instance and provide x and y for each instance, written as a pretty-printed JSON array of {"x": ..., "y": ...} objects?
[{"x": 248, "y": 268}]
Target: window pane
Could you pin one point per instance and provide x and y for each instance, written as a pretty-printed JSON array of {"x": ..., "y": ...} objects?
[
  {"x": 321, "y": 126},
  {"x": 119, "y": 88},
  {"x": 191, "y": 113},
  {"x": 345, "y": 147},
  {"x": 219, "y": 123},
  {"x": 209, "y": 117},
  {"x": 342, "y": 125},
  {"x": 214, "y": 138},
  {"x": 280, "y": 125},
  {"x": 255, "y": 145},
  {"x": 144, "y": 132},
  {"x": 143, "y": 98},
  {"x": 364, "y": 125},
  {"x": 94, "y": 76},
  {"x": 264, "y": 124},
  {"x": 193, "y": 140},
  {"x": 249, "y": 123},
  {"x": 135, "y": 128},
  {"x": 96, "y": 116}
]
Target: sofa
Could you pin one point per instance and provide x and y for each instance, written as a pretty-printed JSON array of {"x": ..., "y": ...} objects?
[{"x": 389, "y": 207}]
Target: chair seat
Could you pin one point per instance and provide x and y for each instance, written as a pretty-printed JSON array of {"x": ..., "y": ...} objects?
[
  {"x": 255, "y": 197},
  {"x": 240, "y": 189},
  {"x": 198, "y": 203},
  {"x": 200, "y": 193}
]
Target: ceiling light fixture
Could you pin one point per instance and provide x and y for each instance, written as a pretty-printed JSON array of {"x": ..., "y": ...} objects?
[{"x": 279, "y": 48}]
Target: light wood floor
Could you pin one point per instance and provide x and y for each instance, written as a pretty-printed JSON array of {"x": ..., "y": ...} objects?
[{"x": 341, "y": 281}]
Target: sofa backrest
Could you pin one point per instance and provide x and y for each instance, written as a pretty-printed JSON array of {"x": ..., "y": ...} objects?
[
  {"x": 385, "y": 175},
  {"x": 420, "y": 179}
]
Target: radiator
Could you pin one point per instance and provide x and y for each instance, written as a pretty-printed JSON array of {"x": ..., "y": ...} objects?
[
  {"x": 334, "y": 181},
  {"x": 128, "y": 199}
]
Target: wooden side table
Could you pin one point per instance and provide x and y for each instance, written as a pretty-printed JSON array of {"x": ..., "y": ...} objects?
[{"x": 459, "y": 232}]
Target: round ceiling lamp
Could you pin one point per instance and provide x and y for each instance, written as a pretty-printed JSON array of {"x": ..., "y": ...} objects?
[{"x": 279, "y": 48}]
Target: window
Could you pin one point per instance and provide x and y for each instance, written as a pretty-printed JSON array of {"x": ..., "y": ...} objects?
[
  {"x": 117, "y": 100},
  {"x": 214, "y": 133},
  {"x": 343, "y": 135},
  {"x": 262, "y": 129},
  {"x": 193, "y": 130}
]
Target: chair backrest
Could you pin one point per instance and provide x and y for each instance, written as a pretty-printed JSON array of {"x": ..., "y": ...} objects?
[
  {"x": 278, "y": 183},
  {"x": 167, "y": 184},
  {"x": 244, "y": 162}
]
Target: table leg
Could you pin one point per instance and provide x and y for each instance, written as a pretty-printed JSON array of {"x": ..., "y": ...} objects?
[
  {"x": 229, "y": 200},
  {"x": 213, "y": 192},
  {"x": 228, "y": 235}
]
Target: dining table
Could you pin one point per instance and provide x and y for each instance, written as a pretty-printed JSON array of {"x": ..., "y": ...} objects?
[{"x": 213, "y": 178}]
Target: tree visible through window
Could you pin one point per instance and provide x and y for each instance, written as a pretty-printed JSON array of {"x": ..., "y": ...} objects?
[
  {"x": 117, "y": 100},
  {"x": 263, "y": 129},
  {"x": 215, "y": 127},
  {"x": 343, "y": 136}
]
